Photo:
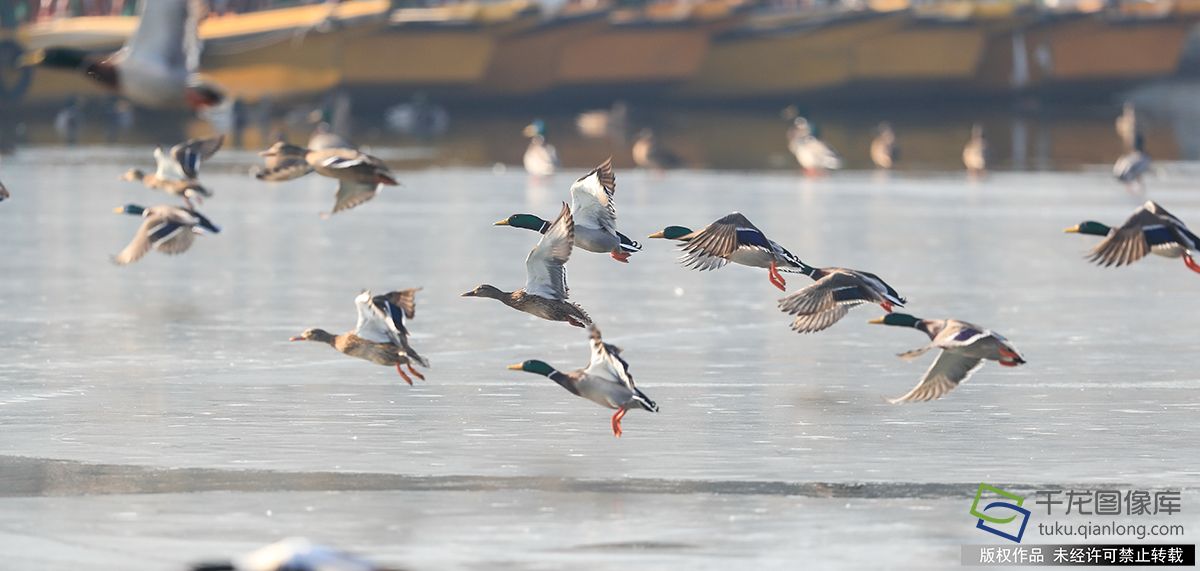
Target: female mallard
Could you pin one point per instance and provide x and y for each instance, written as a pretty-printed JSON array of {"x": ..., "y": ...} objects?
[
  {"x": 170, "y": 229},
  {"x": 814, "y": 156},
  {"x": 735, "y": 239},
  {"x": 380, "y": 336},
  {"x": 835, "y": 292},
  {"x": 359, "y": 175},
  {"x": 188, "y": 190},
  {"x": 975, "y": 152},
  {"x": 649, "y": 153},
  {"x": 182, "y": 162},
  {"x": 964, "y": 347},
  {"x": 884, "y": 151},
  {"x": 155, "y": 68},
  {"x": 606, "y": 381},
  {"x": 594, "y": 211},
  {"x": 1150, "y": 230},
  {"x": 545, "y": 291},
  {"x": 1131, "y": 166},
  {"x": 541, "y": 159}
]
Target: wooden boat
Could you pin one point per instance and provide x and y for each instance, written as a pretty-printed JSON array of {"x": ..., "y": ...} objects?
[{"x": 524, "y": 60}]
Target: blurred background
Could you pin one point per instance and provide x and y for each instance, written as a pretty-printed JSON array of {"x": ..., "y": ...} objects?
[{"x": 455, "y": 82}]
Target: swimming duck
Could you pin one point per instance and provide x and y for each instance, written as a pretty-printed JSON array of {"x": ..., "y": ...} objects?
[
  {"x": 814, "y": 156},
  {"x": 545, "y": 291},
  {"x": 188, "y": 190},
  {"x": 380, "y": 335},
  {"x": 884, "y": 151},
  {"x": 975, "y": 152},
  {"x": 648, "y": 153},
  {"x": 735, "y": 239},
  {"x": 1131, "y": 166},
  {"x": 359, "y": 175},
  {"x": 155, "y": 68},
  {"x": 595, "y": 213},
  {"x": 963, "y": 346},
  {"x": 606, "y": 381},
  {"x": 182, "y": 162},
  {"x": 836, "y": 291},
  {"x": 170, "y": 229},
  {"x": 1127, "y": 125},
  {"x": 541, "y": 159},
  {"x": 1150, "y": 230},
  {"x": 293, "y": 554}
]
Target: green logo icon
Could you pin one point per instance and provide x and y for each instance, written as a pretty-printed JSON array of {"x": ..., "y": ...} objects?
[{"x": 975, "y": 511}]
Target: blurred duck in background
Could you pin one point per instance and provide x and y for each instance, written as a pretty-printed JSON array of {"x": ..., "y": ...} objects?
[
  {"x": 68, "y": 121},
  {"x": 1127, "y": 126},
  {"x": 884, "y": 150},
  {"x": 157, "y": 66},
  {"x": 177, "y": 170},
  {"x": 293, "y": 554},
  {"x": 541, "y": 158},
  {"x": 975, "y": 152},
  {"x": 611, "y": 123},
  {"x": 418, "y": 118},
  {"x": 649, "y": 153},
  {"x": 359, "y": 175},
  {"x": 814, "y": 156},
  {"x": 1133, "y": 165}
]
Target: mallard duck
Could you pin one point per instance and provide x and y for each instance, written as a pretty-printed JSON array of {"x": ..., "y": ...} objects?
[
  {"x": 359, "y": 175},
  {"x": 1150, "y": 230},
  {"x": 648, "y": 153},
  {"x": 155, "y": 68},
  {"x": 545, "y": 291},
  {"x": 294, "y": 554},
  {"x": 594, "y": 211},
  {"x": 606, "y": 381},
  {"x": 541, "y": 159},
  {"x": 170, "y": 229},
  {"x": 884, "y": 151},
  {"x": 188, "y": 190},
  {"x": 182, "y": 162},
  {"x": 735, "y": 239},
  {"x": 1127, "y": 125},
  {"x": 1131, "y": 166},
  {"x": 601, "y": 123},
  {"x": 380, "y": 335},
  {"x": 975, "y": 152},
  {"x": 964, "y": 347},
  {"x": 814, "y": 156},
  {"x": 836, "y": 291}
]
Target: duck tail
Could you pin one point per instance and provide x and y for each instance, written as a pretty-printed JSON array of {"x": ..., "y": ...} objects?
[
  {"x": 644, "y": 401},
  {"x": 385, "y": 178},
  {"x": 628, "y": 244}
]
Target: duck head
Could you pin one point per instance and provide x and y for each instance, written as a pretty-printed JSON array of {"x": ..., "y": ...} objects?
[
  {"x": 314, "y": 335},
  {"x": 526, "y": 221},
  {"x": 897, "y": 319},
  {"x": 133, "y": 175},
  {"x": 485, "y": 290},
  {"x": 533, "y": 366},
  {"x": 672, "y": 233},
  {"x": 537, "y": 128},
  {"x": 1089, "y": 227},
  {"x": 130, "y": 209}
]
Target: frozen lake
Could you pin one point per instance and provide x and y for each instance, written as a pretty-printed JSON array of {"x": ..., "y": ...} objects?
[{"x": 175, "y": 373}]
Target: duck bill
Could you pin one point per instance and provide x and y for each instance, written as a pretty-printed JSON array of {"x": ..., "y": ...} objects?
[
  {"x": 529, "y": 131},
  {"x": 516, "y": 367},
  {"x": 658, "y": 234},
  {"x": 501, "y": 222},
  {"x": 876, "y": 321},
  {"x": 468, "y": 294},
  {"x": 296, "y": 339},
  {"x": 118, "y": 210},
  {"x": 1071, "y": 230}
]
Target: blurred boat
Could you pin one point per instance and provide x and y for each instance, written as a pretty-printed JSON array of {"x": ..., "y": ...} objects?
[{"x": 524, "y": 60}]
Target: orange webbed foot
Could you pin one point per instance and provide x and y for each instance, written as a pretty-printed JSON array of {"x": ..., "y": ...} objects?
[
  {"x": 1191, "y": 263},
  {"x": 403, "y": 375},
  {"x": 616, "y": 422},
  {"x": 416, "y": 372}
]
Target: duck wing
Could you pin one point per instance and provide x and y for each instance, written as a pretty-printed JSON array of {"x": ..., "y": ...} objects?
[
  {"x": 710, "y": 248},
  {"x": 161, "y": 36},
  {"x": 1128, "y": 244},
  {"x": 826, "y": 300},
  {"x": 351, "y": 194},
  {"x": 157, "y": 228},
  {"x": 382, "y": 321},
  {"x": 947, "y": 372},
  {"x": 592, "y": 202},
  {"x": 190, "y": 153},
  {"x": 545, "y": 267}
]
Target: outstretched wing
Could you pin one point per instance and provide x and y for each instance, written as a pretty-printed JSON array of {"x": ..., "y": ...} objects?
[
  {"x": 545, "y": 268},
  {"x": 156, "y": 230},
  {"x": 711, "y": 247},
  {"x": 947, "y": 372},
  {"x": 162, "y": 35},
  {"x": 1128, "y": 244},
  {"x": 592, "y": 202},
  {"x": 826, "y": 300},
  {"x": 351, "y": 194},
  {"x": 381, "y": 318},
  {"x": 606, "y": 362},
  {"x": 189, "y": 154}
]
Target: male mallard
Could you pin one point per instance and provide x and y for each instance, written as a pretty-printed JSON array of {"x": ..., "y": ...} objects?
[
  {"x": 606, "y": 381},
  {"x": 182, "y": 162},
  {"x": 545, "y": 291},
  {"x": 155, "y": 68},
  {"x": 1131, "y": 166},
  {"x": 185, "y": 189},
  {"x": 1150, "y": 230},
  {"x": 380, "y": 335},
  {"x": 964, "y": 347},
  {"x": 735, "y": 239},
  {"x": 170, "y": 229},
  {"x": 648, "y": 153},
  {"x": 359, "y": 175},
  {"x": 975, "y": 152},
  {"x": 541, "y": 159},
  {"x": 1127, "y": 125},
  {"x": 884, "y": 150},
  {"x": 594, "y": 211},
  {"x": 814, "y": 156},
  {"x": 835, "y": 292}
]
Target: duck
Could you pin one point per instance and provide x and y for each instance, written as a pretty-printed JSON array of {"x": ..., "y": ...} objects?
[
  {"x": 733, "y": 238},
  {"x": 814, "y": 156},
  {"x": 169, "y": 229},
  {"x": 1133, "y": 165},
  {"x": 606, "y": 380},
  {"x": 1126, "y": 125},
  {"x": 188, "y": 190},
  {"x": 541, "y": 158},
  {"x": 359, "y": 175},
  {"x": 835, "y": 292},
  {"x": 292, "y": 554},
  {"x": 545, "y": 292},
  {"x": 594, "y": 210},
  {"x": 975, "y": 152},
  {"x": 156, "y": 66},
  {"x": 884, "y": 151},
  {"x": 963, "y": 347},
  {"x": 1149, "y": 230},
  {"x": 602, "y": 123},
  {"x": 648, "y": 153},
  {"x": 182, "y": 161},
  {"x": 380, "y": 335}
]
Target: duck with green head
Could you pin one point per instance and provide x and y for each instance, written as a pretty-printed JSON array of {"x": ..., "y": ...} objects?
[
  {"x": 593, "y": 207},
  {"x": 169, "y": 229},
  {"x": 1150, "y": 230},
  {"x": 541, "y": 158},
  {"x": 963, "y": 347},
  {"x": 606, "y": 380}
]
